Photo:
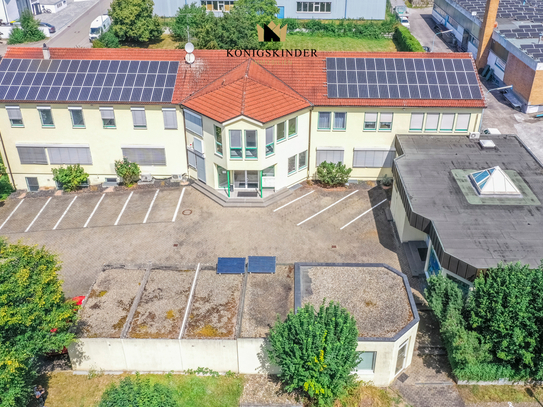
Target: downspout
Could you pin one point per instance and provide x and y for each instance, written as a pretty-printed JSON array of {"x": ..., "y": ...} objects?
[
  {"x": 345, "y": 9},
  {"x": 309, "y": 143},
  {"x": 7, "y": 161}
]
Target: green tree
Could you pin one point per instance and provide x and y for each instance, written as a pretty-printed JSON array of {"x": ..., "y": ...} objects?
[
  {"x": 316, "y": 351},
  {"x": 192, "y": 16},
  {"x": 29, "y": 31},
  {"x": 259, "y": 11},
  {"x": 128, "y": 171},
  {"x": 108, "y": 40},
  {"x": 70, "y": 177},
  {"x": 138, "y": 392},
  {"x": 34, "y": 317},
  {"x": 133, "y": 20},
  {"x": 331, "y": 174},
  {"x": 236, "y": 30}
]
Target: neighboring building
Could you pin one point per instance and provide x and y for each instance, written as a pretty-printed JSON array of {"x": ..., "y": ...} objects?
[
  {"x": 511, "y": 45},
  {"x": 471, "y": 215},
  {"x": 11, "y": 10},
  {"x": 237, "y": 124}
]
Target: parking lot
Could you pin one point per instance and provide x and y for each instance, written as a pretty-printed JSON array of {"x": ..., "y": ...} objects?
[{"x": 182, "y": 227}]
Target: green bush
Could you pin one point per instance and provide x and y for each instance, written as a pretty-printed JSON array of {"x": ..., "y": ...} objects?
[
  {"x": 138, "y": 392},
  {"x": 405, "y": 41},
  {"x": 70, "y": 177},
  {"x": 109, "y": 40},
  {"x": 128, "y": 171},
  {"x": 97, "y": 44},
  {"x": 291, "y": 23},
  {"x": 16, "y": 36},
  {"x": 331, "y": 174},
  {"x": 29, "y": 31},
  {"x": 316, "y": 351},
  {"x": 6, "y": 189}
]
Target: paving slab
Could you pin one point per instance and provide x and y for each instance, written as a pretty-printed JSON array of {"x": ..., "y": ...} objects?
[
  {"x": 109, "y": 210},
  {"x": 165, "y": 205},
  {"x": 51, "y": 214},
  {"x": 137, "y": 207},
  {"x": 79, "y": 212},
  {"x": 26, "y": 213}
]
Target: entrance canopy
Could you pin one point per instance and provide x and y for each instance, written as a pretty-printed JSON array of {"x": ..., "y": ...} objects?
[{"x": 493, "y": 181}]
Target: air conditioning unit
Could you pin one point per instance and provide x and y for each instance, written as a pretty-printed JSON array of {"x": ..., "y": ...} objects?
[
  {"x": 474, "y": 136},
  {"x": 177, "y": 177},
  {"x": 146, "y": 178}
]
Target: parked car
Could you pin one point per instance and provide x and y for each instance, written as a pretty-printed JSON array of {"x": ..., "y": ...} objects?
[
  {"x": 51, "y": 27},
  {"x": 425, "y": 48},
  {"x": 404, "y": 21}
]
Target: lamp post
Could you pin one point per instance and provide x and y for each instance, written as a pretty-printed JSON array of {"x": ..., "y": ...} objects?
[
  {"x": 435, "y": 35},
  {"x": 484, "y": 97}
]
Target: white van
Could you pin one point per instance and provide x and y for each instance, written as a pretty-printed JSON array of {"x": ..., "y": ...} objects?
[{"x": 99, "y": 26}]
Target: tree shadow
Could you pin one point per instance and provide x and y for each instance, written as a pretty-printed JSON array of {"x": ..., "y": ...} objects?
[{"x": 531, "y": 393}]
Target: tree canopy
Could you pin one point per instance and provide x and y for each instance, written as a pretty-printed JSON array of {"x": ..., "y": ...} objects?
[
  {"x": 133, "y": 20},
  {"x": 260, "y": 11},
  {"x": 34, "y": 317},
  {"x": 29, "y": 31}
]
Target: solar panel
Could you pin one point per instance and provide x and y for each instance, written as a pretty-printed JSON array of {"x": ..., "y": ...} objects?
[
  {"x": 261, "y": 264},
  {"x": 231, "y": 265},
  {"x": 101, "y": 81}
]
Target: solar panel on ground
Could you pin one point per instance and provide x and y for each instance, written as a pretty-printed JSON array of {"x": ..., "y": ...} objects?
[
  {"x": 261, "y": 264},
  {"x": 231, "y": 265},
  {"x": 83, "y": 80}
]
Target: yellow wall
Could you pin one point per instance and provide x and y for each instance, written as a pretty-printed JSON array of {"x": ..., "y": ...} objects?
[{"x": 105, "y": 144}]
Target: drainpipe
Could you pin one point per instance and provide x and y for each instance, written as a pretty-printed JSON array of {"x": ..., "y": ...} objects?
[
  {"x": 7, "y": 161},
  {"x": 345, "y": 9},
  {"x": 309, "y": 143}
]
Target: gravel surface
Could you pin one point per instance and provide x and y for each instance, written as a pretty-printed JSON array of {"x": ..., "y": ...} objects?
[
  {"x": 214, "y": 306},
  {"x": 107, "y": 307},
  {"x": 267, "y": 296},
  {"x": 266, "y": 390},
  {"x": 375, "y": 296},
  {"x": 162, "y": 306}
]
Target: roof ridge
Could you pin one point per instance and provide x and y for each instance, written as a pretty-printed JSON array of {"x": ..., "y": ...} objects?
[{"x": 244, "y": 87}]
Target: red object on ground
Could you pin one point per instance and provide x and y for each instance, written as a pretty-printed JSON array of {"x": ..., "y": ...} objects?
[{"x": 78, "y": 300}]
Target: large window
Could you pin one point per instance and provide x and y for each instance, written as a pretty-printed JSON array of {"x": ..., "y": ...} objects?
[
  {"x": 281, "y": 131},
  {"x": 462, "y": 121},
  {"x": 324, "y": 120},
  {"x": 270, "y": 141},
  {"x": 236, "y": 150},
  {"x": 220, "y": 5},
  {"x": 170, "y": 117},
  {"x": 292, "y": 165},
  {"x": 32, "y": 155},
  {"x": 370, "y": 121},
  {"x": 69, "y": 155},
  {"x": 340, "y": 121},
  {"x": 385, "y": 123},
  {"x": 145, "y": 155},
  {"x": 402, "y": 354},
  {"x": 251, "y": 146},
  {"x": 313, "y": 7},
  {"x": 46, "y": 116},
  {"x": 108, "y": 117},
  {"x": 417, "y": 120},
  {"x": 302, "y": 160},
  {"x": 373, "y": 158},
  {"x": 293, "y": 127},
  {"x": 432, "y": 120},
  {"x": 138, "y": 117},
  {"x": 331, "y": 155},
  {"x": 15, "y": 116},
  {"x": 77, "y": 117},
  {"x": 218, "y": 140},
  {"x": 367, "y": 363},
  {"x": 447, "y": 121},
  {"x": 193, "y": 122}
]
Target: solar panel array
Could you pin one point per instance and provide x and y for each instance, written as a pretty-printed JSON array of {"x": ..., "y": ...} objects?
[
  {"x": 523, "y": 31},
  {"x": 520, "y": 10},
  {"x": 401, "y": 78},
  {"x": 533, "y": 50},
  {"x": 87, "y": 81}
]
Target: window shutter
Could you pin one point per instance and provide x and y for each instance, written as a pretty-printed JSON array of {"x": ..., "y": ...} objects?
[
  {"x": 69, "y": 155},
  {"x": 359, "y": 158},
  {"x": 138, "y": 115},
  {"x": 170, "y": 118},
  {"x": 371, "y": 117},
  {"x": 145, "y": 155},
  {"x": 431, "y": 121},
  {"x": 107, "y": 113},
  {"x": 32, "y": 155},
  {"x": 331, "y": 156},
  {"x": 269, "y": 135},
  {"x": 235, "y": 138},
  {"x": 14, "y": 113},
  {"x": 373, "y": 158},
  {"x": 386, "y": 117},
  {"x": 416, "y": 121},
  {"x": 193, "y": 122},
  {"x": 462, "y": 121},
  {"x": 192, "y": 159},
  {"x": 447, "y": 121}
]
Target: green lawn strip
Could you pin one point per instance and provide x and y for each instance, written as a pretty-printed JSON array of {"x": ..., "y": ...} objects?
[
  {"x": 329, "y": 43},
  {"x": 505, "y": 393}
]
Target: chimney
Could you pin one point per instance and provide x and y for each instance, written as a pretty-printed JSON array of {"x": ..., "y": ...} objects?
[
  {"x": 46, "y": 53},
  {"x": 485, "y": 34}
]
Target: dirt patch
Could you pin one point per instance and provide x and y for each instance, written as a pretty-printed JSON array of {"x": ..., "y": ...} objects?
[
  {"x": 109, "y": 302},
  {"x": 267, "y": 296},
  {"x": 266, "y": 390},
  {"x": 162, "y": 307},
  {"x": 214, "y": 306}
]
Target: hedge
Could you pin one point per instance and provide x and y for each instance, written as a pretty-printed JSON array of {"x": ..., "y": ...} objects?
[{"x": 405, "y": 41}]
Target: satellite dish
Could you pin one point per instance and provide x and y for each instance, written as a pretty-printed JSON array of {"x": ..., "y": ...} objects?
[
  {"x": 190, "y": 58},
  {"x": 189, "y": 47}
]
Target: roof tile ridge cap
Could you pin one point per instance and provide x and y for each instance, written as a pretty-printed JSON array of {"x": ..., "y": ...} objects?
[{"x": 244, "y": 86}]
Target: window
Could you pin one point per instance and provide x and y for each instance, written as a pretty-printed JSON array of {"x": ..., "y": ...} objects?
[
  {"x": 270, "y": 144},
  {"x": 217, "y": 5},
  {"x": 269, "y": 172},
  {"x": 218, "y": 140},
  {"x": 32, "y": 155},
  {"x": 329, "y": 154},
  {"x": 385, "y": 124},
  {"x": 292, "y": 165},
  {"x": 293, "y": 127},
  {"x": 198, "y": 145},
  {"x": 367, "y": 363},
  {"x": 340, "y": 120},
  {"x": 193, "y": 122},
  {"x": 69, "y": 155},
  {"x": 313, "y": 7},
  {"x": 138, "y": 116},
  {"x": 462, "y": 122},
  {"x": 432, "y": 120},
  {"x": 416, "y": 121},
  {"x": 236, "y": 151},
  {"x": 108, "y": 117},
  {"x": 302, "y": 160},
  {"x": 32, "y": 184},
  {"x": 15, "y": 116},
  {"x": 324, "y": 121},
  {"x": 373, "y": 158},
  {"x": 281, "y": 133},
  {"x": 145, "y": 155},
  {"x": 46, "y": 116},
  {"x": 251, "y": 147},
  {"x": 170, "y": 117},
  {"x": 370, "y": 121},
  {"x": 400, "y": 361},
  {"x": 447, "y": 121},
  {"x": 77, "y": 117}
]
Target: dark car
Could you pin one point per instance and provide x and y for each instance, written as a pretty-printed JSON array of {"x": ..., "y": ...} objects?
[
  {"x": 426, "y": 49},
  {"x": 50, "y": 26}
]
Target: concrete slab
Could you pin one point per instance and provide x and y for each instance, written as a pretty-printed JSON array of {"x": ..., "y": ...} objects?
[
  {"x": 24, "y": 215},
  {"x": 51, "y": 214},
  {"x": 79, "y": 212},
  {"x": 137, "y": 207},
  {"x": 109, "y": 210},
  {"x": 165, "y": 205}
]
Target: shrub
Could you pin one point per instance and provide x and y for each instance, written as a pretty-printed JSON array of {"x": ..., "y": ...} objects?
[
  {"x": 5, "y": 185},
  {"x": 97, "y": 44},
  {"x": 291, "y": 23},
  {"x": 387, "y": 181},
  {"x": 29, "y": 31},
  {"x": 138, "y": 392},
  {"x": 70, "y": 177},
  {"x": 405, "y": 41},
  {"x": 128, "y": 171},
  {"x": 16, "y": 36},
  {"x": 109, "y": 40},
  {"x": 331, "y": 174},
  {"x": 316, "y": 351}
]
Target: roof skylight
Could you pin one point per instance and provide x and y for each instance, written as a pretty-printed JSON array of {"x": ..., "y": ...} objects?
[{"x": 493, "y": 181}]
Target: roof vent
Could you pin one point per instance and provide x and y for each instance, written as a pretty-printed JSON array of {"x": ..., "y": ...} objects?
[
  {"x": 487, "y": 144},
  {"x": 493, "y": 181},
  {"x": 46, "y": 53}
]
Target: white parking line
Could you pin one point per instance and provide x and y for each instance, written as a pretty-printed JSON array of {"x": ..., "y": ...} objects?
[
  {"x": 294, "y": 200},
  {"x": 150, "y": 206},
  {"x": 124, "y": 207},
  {"x": 358, "y": 217},
  {"x": 178, "y": 205},
  {"x": 22, "y": 200},
  {"x": 94, "y": 210},
  {"x": 325, "y": 209},
  {"x": 39, "y": 213},
  {"x": 65, "y": 212}
]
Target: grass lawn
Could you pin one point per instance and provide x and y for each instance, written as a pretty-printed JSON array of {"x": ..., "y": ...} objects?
[
  {"x": 514, "y": 394},
  {"x": 367, "y": 395},
  {"x": 165, "y": 42},
  {"x": 323, "y": 43},
  {"x": 68, "y": 390}
]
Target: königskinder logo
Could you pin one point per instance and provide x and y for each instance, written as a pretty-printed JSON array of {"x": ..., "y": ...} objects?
[{"x": 271, "y": 32}]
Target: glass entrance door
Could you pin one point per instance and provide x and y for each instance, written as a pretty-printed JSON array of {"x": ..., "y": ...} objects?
[{"x": 246, "y": 179}]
